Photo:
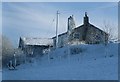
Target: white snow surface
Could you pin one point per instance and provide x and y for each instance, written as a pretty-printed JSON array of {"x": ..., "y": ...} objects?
[
  {"x": 37, "y": 41},
  {"x": 94, "y": 63}
]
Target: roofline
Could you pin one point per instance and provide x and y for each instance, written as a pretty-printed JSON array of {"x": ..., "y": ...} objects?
[
  {"x": 99, "y": 29},
  {"x": 79, "y": 27},
  {"x": 93, "y": 26},
  {"x": 38, "y": 45},
  {"x": 60, "y": 34},
  {"x": 33, "y": 38}
]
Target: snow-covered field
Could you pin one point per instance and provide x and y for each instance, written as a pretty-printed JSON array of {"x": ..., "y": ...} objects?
[
  {"x": 95, "y": 62},
  {"x": 1, "y": 76}
]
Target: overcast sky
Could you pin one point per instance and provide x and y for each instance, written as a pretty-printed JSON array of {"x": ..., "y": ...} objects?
[{"x": 37, "y": 19}]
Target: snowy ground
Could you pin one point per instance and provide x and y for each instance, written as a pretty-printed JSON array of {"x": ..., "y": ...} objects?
[
  {"x": 0, "y": 75},
  {"x": 96, "y": 62}
]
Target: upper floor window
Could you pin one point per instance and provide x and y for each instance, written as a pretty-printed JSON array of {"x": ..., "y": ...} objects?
[
  {"x": 97, "y": 37},
  {"x": 76, "y": 36}
]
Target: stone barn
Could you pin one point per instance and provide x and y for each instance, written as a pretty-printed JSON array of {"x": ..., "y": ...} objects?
[
  {"x": 86, "y": 33},
  {"x": 34, "y": 46}
]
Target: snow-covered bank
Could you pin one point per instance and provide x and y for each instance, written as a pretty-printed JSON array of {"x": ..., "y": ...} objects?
[{"x": 95, "y": 62}]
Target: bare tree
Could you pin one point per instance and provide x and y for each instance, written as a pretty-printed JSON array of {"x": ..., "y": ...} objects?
[
  {"x": 7, "y": 50},
  {"x": 109, "y": 35}
]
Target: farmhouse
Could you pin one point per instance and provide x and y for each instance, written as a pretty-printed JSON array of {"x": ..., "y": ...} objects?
[
  {"x": 86, "y": 33},
  {"x": 34, "y": 46}
]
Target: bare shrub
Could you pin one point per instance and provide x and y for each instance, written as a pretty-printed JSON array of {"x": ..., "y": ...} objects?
[{"x": 76, "y": 50}]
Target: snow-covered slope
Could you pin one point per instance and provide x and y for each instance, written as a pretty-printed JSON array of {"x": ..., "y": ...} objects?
[{"x": 94, "y": 62}]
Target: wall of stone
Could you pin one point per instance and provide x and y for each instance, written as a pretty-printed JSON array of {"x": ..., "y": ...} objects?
[{"x": 94, "y": 35}]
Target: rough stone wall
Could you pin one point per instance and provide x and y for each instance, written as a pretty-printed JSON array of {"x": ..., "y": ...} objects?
[
  {"x": 62, "y": 41},
  {"x": 86, "y": 34},
  {"x": 95, "y": 35},
  {"x": 78, "y": 31},
  {"x": 91, "y": 35}
]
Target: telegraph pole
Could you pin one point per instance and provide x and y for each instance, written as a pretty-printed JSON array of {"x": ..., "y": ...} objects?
[{"x": 57, "y": 24}]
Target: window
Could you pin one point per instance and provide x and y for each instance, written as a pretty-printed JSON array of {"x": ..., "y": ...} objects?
[
  {"x": 98, "y": 37},
  {"x": 76, "y": 36}
]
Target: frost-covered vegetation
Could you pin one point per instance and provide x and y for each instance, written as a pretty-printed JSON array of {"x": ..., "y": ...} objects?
[
  {"x": 75, "y": 62},
  {"x": 8, "y": 51}
]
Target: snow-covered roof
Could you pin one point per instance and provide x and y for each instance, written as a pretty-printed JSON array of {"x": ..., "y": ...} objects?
[{"x": 37, "y": 41}]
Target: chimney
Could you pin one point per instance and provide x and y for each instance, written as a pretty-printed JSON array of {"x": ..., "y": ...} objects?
[
  {"x": 86, "y": 19},
  {"x": 71, "y": 23}
]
